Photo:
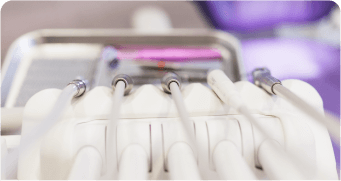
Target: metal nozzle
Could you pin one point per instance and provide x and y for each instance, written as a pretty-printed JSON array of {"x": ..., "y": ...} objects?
[
  {"x": 169, "y": 78},
  {"x": 126, "y": 79},
  {"x": 81, "y": 84},
  {"x": 262, "y": 78}
]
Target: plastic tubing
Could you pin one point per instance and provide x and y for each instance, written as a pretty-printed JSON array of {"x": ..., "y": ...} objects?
[
  {"x": 332, "y": 124},
  {"x": 46, "y": 124},
  {"x": 181, "y": 154},
  {"x": 180, "y": 105},
  {"x": 114, "y": 117},
  {"x": 189, "y": 127},
  {"x": 227, "y": 92},
  {"x": 263, "y": 78},
  {"x": 275, "y": 163}
]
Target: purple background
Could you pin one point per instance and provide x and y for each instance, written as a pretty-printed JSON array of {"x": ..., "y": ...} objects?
[{"x": 309, "y": 60}]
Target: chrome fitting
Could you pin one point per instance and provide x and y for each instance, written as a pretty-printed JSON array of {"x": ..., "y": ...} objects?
[
  {"x": 127, "y": 81},
  {"x": 81, "y": 86},
  {"x": 263, "y": 79},
  {"x": 169, "y": 78}
]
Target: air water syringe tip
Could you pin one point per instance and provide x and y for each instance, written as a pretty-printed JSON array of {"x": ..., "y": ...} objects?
[
  {"x": 168, "y": 79},
  {"x": 128, "y": 81}
]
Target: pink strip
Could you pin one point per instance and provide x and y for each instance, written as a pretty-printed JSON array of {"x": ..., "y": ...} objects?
[{"x": 170, "y": 54}]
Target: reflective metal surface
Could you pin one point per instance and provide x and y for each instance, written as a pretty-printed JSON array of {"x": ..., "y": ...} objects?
[{"x": 22, "y": 49}]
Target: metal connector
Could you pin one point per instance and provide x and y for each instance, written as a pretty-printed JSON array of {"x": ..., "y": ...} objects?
[
  {"x": 263, "y": 79},
  {"x": 126, "y": 79},
  {"x": 169, "y": 78},
  {"x": 81, "y": 86}
]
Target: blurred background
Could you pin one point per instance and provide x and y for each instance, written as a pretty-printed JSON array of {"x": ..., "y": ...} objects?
[
  {"x": 293, "y": 39},
  {"x": 19, "y": 17}
]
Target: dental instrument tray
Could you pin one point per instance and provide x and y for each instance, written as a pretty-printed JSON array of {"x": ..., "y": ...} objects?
[{"x": 49, "y": 58}]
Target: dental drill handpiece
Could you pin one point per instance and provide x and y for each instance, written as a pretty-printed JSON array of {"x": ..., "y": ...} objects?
[
  {"x": 227, "y": 92},
  {"x": 76, "y": 88},
  {"x": 122, "y": 85}
]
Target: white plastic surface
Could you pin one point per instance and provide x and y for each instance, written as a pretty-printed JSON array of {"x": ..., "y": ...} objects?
[
  {"x": 85, "y": 122},
  {"x": 3, "y": 158},
  {"x": 133, "y": 164},
  {"x": 325, "y": 160},
  {"x": 151, "y": 19},
  {"x": 174, "y": 133},
  {"x": 222, "y": 129},
  {"x": 275, "y": 164},
  {"x": 229, "y": 163},
  {"x": 133, "y": 133},
  {"x": 87, "y": 165},
  {"x": 182, "y": 163}
]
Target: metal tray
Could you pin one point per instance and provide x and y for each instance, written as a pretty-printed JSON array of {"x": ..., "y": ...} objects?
[{"x": 27, "y": 56}]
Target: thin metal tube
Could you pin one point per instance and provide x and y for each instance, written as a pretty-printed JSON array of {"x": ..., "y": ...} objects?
[
  {"x": 229, "y": 163},
  {"x": 332, "y": 124},
  {"x": 181, "y": 163},
  {"x": 87, "y": 165},
  {"x": 46, "y": 124},
  {"x": 133, "y": 163},
  {"x": 111, "y": 129},
  {"x": 275, "y": 163}
]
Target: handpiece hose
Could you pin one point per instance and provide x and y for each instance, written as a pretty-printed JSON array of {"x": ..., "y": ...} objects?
[
  {"x": 182, "y": 163},
  {"x": 75, "y": 88},
  {"x": 122, "y": 84},
  {"x": 264, "y": 80},
  {"x": 227, "y": 92},
  {"x": 171, "y": 84}
]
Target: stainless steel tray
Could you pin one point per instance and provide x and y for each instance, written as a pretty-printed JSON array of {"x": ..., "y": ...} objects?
[{"x": 18, "y": 66}]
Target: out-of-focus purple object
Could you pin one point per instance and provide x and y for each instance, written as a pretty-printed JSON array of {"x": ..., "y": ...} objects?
[
  {"x": 246, "y": 16},
  {"x": 315, "y": 63},
  {"x": 169, "y": 54}
]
